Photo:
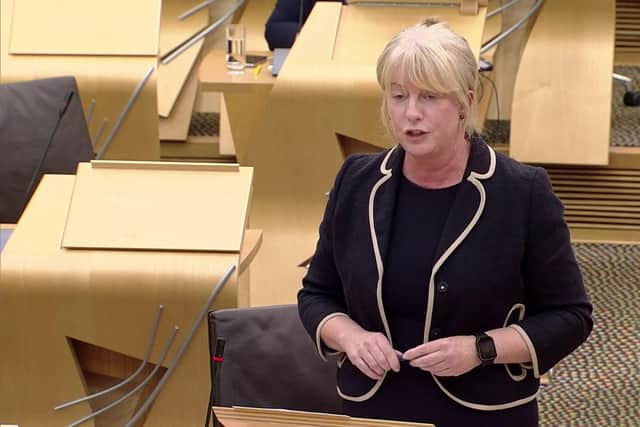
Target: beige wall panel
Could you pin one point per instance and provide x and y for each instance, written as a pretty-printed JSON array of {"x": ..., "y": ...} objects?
[
  {"x": 320, "y": 92},
  {"x": 109, "y": 79},
  {"x": 90, "y": 27},
  {"x": 561, "y": 109},
  {"x": 105, "y": 298}
]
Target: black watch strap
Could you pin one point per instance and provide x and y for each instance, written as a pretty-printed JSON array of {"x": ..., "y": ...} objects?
[{"x": 486, "y": 349}]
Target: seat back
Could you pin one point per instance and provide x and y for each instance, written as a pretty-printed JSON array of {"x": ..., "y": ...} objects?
[
  {"x": 28, "y": 113},
  {"x": 270, "y": 361}
]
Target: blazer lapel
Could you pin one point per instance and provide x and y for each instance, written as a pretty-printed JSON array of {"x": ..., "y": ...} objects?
[
  {"x": 468, "y": 199},
  {"x": 382, "y": 203}
]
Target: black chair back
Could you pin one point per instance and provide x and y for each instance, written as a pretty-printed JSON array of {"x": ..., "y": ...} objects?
[{"x": 270, "y": 361}]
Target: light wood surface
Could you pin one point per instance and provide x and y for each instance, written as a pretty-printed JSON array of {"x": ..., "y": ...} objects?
[
  {"x": 173, "y": 33},
  {"x": 71, "y": 27},
  {"x": 227, "y": 145},
  {"x": 104, "y": 298},
  {"x": 172, "y": 78},
  {"x": 175, "y": 127},
  {"x": 125, "y": 207},
  {"x": 256, "y": 417},
  {"x": 321, "y": 91},
  {"x": 561, "y": 109},
  {"x": 245, "y": 101},
  {"x": 110, "y": 80}
]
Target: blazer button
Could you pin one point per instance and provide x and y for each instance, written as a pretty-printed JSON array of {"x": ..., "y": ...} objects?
[
  {"x": 435, "y": 334},
  {"x": 443, "y": 287}
]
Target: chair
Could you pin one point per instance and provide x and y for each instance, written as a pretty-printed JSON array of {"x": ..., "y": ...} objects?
[
  {"x": 28, "y": 114},
  {"x": 270, "y": 361}
]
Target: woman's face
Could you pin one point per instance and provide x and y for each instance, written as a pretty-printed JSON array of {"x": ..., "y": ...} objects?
[{"x": 424, "y": 123}]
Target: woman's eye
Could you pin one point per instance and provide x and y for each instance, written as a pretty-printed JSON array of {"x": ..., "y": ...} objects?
[{"x": 397, "y": 96}]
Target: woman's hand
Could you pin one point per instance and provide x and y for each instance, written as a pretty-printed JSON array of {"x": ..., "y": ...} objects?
[
  {"x": 371, "y": 352},
  {"x": 445, "y": 357}
]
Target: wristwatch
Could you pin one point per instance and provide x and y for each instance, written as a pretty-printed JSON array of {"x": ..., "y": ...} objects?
[{"x": 486, "y": 349}]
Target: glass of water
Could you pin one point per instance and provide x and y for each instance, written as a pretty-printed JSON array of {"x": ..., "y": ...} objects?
[{"x": 236, "y": 54}]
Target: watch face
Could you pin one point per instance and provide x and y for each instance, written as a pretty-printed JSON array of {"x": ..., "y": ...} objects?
[{"x": 486, "y": 348}]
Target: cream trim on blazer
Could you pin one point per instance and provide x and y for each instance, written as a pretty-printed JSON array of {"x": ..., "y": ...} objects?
[
  {"x": 474, "y": 178},
  {"x": 386, "y": 175}
]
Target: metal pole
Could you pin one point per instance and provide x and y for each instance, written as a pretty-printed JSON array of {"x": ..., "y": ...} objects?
[
  {"x": 185, "y": 344},
  {"x": 195, "y": 9},
  {"x": 202, "y": 34}
]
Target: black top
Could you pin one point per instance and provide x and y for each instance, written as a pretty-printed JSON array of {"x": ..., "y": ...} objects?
[
  {"x": 411, "y": 394},
  {"x": 419, "y": 219}
]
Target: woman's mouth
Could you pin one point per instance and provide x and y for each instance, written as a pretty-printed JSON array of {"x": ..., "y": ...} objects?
[{"x": 414, "y": 133}]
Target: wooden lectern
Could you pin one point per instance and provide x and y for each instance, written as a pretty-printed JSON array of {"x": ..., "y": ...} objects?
[
  {"x": 83, "y": 275},
  {"x": 255, "y": 417}
]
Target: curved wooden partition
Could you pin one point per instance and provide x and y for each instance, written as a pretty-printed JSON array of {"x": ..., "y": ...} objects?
[
  {"x": 110, "y": 79},
  {"x": 326, "y": 87},
  {"x": 55, "y": 301},
  {"x": 561, "y": 110}
]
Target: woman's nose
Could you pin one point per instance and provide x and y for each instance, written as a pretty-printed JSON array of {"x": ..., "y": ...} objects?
[{"x": 413, "y": 111}]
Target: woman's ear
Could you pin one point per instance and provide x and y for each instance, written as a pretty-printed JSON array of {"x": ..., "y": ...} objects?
[{"x": 471, "y": 95}]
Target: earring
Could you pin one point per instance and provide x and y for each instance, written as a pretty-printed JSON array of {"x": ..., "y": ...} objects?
[{"x": 461, "y": 116}]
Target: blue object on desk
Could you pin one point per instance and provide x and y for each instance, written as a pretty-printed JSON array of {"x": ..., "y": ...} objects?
[
  {"x": 4, "y": 237},
  {"x": 279, "y": 55}
]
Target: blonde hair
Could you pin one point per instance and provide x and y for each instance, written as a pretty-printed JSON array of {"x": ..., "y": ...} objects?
[{"x": 433, "y": 58}]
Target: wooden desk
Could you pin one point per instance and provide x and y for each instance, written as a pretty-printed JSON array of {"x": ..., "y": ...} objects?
[
  {"x": 244, "y": 100},
  {"x": 109, "y": 79},
  {"x": 56, "y": 302}
]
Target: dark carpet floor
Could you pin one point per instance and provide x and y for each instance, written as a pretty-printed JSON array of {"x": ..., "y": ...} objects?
[{"x": 599, "y": 384}]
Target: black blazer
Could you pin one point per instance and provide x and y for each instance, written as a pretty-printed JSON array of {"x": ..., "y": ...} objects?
[
  {"x": 504, "y": 258},
  {"x": 285, "y": 22}
]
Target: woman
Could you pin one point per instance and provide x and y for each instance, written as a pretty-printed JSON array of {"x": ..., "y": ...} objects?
[{"x": 444, "y": 273}]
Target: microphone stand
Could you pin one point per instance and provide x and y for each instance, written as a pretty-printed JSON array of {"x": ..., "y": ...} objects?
[{"x": 216, "y": 365}]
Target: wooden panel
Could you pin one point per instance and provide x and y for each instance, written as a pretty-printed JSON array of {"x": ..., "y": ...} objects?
[
  {"x": 107, "y": 210},
  {"x": 176, "y": 126},
  {"x": 172, "y": 77},
  {"x": 110, "y": 80},
  {"x": 605, "y": 198},
  {"x": 173, "y": 31},
  {"x": 627, "y": 27},
  {"x": 554, "y": 119},
  {"x": 92, "y": 27},
  {"x": 258, "y": 417},
  {"x": 105, "y": 298}
]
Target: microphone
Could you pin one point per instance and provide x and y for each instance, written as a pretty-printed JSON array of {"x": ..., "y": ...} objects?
[
  {"x": 216, "y": 365},
  {"x": 61, "y": 112}
]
